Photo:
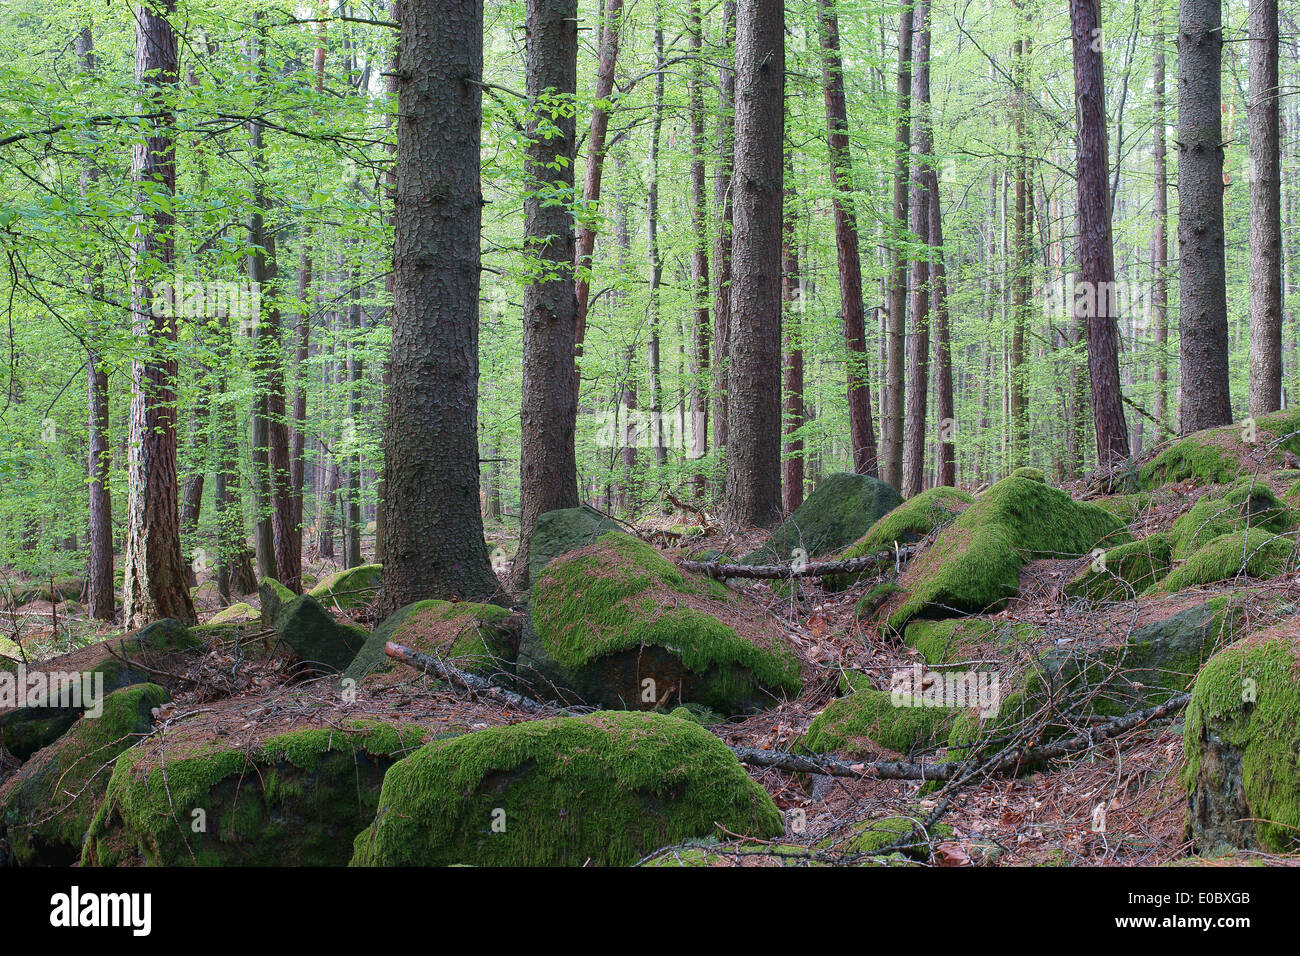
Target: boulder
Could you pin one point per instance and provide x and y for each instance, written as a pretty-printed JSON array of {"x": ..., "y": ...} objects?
[
  {"x": 920, "y": 515},
  {"x": 1123, "y": 572},
  {"x": 1250, "y": 503},
  {"x": 346, "y": 590},
  {"x": 621, "y": 626},
  {"x": 47, "y": 806},
  {"x": 559, "y": 532},
  {"x": 866, "y": 721},
  {"x": 1241, "y": 737},
  {"x": 274, "y": 596},
  {"x": 235, "y": 614},
  {"x": 1222, "y": 455},
  {"x": 474, "y": 637},
  {"x": 316, "y": 637},
  {"x": 604, "y": 790},
  {"x": 1255, "y": 553},
  {"x": 838, "y": 513}
]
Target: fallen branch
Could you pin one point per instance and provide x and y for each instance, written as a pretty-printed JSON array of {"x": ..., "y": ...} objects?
[
  {"x": 466, "y": 680},
  {"x": 867, "y": 562}
]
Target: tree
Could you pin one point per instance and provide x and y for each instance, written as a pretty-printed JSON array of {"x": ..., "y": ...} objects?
[
  {"x": 548, "y": 470},
  {"x": 792, "y": 470},
  {"x": 699, "y": 253},
  {"x": 1265, "y": 212},
  {"x": 918, "y": 369},
  {"x": 1160, "y": 230},
  {"x": 1202, "y": 299},
  {"x": 723, "y": 206},
  {"x": 1097, "y": 257},
  {"x": 891, "y": 469},
  {"x": 154, "y": 574},
  {"x": 753, "y": 456}
]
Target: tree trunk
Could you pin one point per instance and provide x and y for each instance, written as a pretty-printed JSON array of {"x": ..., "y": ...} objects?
[
  {"x": 1265, "y": 213},
  {"x": 723, "y": 209},
  {"x": 548, "y": 471},
  {"x": 792, "y": 459},
  {"x": 947, "y": 470},
  {"x": 918, "y": 369},
  {"x": 699, "y": 260},
  {"x": 1202, "y": 304},
  {"x": 154, "y": 574},
  {"x": 892, "y": 467},
  {"x": 1160, "y": 233}
]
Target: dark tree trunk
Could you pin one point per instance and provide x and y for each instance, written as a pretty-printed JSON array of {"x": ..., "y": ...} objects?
[
  {"x": 434, "y": 544},
  {"x": 891, "y": 469},
  {"x": 1160, "y": 231},
  {"x": 753, "y": 457},
  {"x": 548, "y": 471},
  {"x": 792, "y": 459},
  {"x": 918, "y": 369},
  {"x": 154, "y": 574},
  {"x": 723, "y": 207},
  {"x": 942, "y": 345},
  {"x": 1203, "y": 301},
  {"x": 1265, "y": 213}
]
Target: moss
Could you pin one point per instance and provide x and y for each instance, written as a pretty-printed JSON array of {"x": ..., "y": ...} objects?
[
  {"x": 295, "y": 799},
  {"x": 709, "y": 853},
  {"x": 1204, "y": 457},
  {"x": 867, "y": 717},
  {"x": 468, "y": 634},
  {"x": 1241, "y": 738},
  {"x": 957, "y": 639},
  {"x": 352, "y": 588},
  {"x": 235, "y": 614},
  {"x": 1256, "y": 553},
  {"x": 1125, "y": 507},
  {"x": 872, "y": 601},
  {"x": 841, "y": 509},
  {"x": 974, "y": 565},
  {"x": 871, "y": 836},
  {"x": 621, "y": 597},
  {"x": 274, "y": 596},
  {"x": 912, "y": 520},
  {"x": 1033, "y": 474},
  {"x": 46, "y": 808},
  {"x": 1125, "y": 571},
  {"x": 326, "y": 644},
  {"x": 605, "y": 789},
  {"x": 1249, "y": 503}
]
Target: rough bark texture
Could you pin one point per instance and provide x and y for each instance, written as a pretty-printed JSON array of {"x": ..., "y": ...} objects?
[
  {"x": 699, "y": 257},
  {"x": 792, "y": 458},
  {"x": 154, "y": 572},
  {"x": 753, "y": 480},
  {"x": 434, "y": 545},
  {"x": 722, "y": 204},
  {"x": 1265, "y": 213},
  {"x": 1096, "y": 253},
  {"x": 1160, "y": 230},
  {"x": 862, "y": 432},
  {"x": 918, "y": 368},
  {"x": 945, "y": 413},
  {"x": 891, "y": 468},
  {"x": 1202, "y": 299},
  {"x": 548, "y": 469}
]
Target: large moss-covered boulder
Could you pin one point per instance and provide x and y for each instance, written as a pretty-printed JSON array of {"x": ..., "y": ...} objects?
[
  {"x": 1247, "y": 504},
  {"x": 473, "y": 637},
  {"x": 56, "y": 693},
  {"x": 316, "y": 637},
  {"x": 839, "y": 512},
  {"x": 236, "y": 614},
  {"x": 867, "y": 720},
  {"x": 1241, "y": 738},
  {"x": 346, "y": 590},
  {"x": 46, "y": 807},
  {"x": 605, "y": 789},
  {"x": 1255, "y": 553},
  {"x": 290, "y": 799},
  {"x": 562, "y": 531},
  {"x": 974, "y": 565},
  {"x": 274, "y": 596},
  {"x": 956, "y": 639},
  {"x": 1222, "y": 455},
  {"x": 621, "y": 626},
  {"x": 918, "y": 516},
  {"x": 1123, "y": 572}
]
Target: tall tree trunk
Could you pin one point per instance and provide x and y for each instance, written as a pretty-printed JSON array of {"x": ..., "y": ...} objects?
[
  {"x": 154, "y": 573},
  {"x": 656, "y": 262},
  {"x": 699, "y": 259},
  {"x": 946, "y": 412},
  {"x": 1265, "y": 213},
  {"x": 434, "y": 547},
  {"x": 753, "y": 456},
  {"x": 918, "y": 369},
  {"x": 1160, "y": 231},
  {"x": 548, "y": 470},
  {"x": 792, "y": 459},
  {"x": 723, "y": 209},
  {"x": 1096, "y": 253},
  {"x": 861, "y": 430},
  {"x": 1021, "y": 245},
  {"x": 892, "y": 467},
  {"x": 1204, "y": 397},
  {"x": 356, "y": 376}
]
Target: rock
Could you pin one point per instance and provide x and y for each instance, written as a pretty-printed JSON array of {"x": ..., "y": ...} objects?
[
  {"x": 866, "y": 721},
  {"x": 1256, "y": 553},
  {"x": 871, "y": 836},
  {"x": 57, "y": 692},
  {"x": 346, "y": 590},
  {"x": 235, "y": 614},
  {"x": 966, "y": 638},
  {"x": 604, "y": 790},
  {"x": 839, "y": 512},
  {"x": 293, "y": 799},
  {"x": 559, "y": 532},
  {"x": 474, "y": 637},
  {"x": 316, "y": 636},
  {"x": 1250, "y": 503},
  {"x": 1033, "y": 474},
  {"x": 621, "y": 626},
  {"x": 1222, "y": 455},
  {"x": 1241, "y": 737},
  {"x": 911, "y": 521},
  {"x": 46, "y": 807},
  {"x": 274, "y": 596},
  {"x": 1123, "y": 572},
  {"x": 973, "y": 566}
]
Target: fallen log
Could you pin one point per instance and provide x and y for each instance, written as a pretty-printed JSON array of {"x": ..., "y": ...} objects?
[
  {"x": 866, "y": 562},
  {"x": 466, "y": 680}
]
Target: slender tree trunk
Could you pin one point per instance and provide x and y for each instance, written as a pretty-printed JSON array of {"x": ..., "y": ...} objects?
[
  {"x": 723, "y": 207},
  {"x": 1160, "y": 232},
  {"x": 656, "y": 262},
  {"x": 918, "y": 369},
  {"x": 892, "y": 466},
  {"x": 792, "y": 460},
  {"x": 1021, "y": 245},
  {"x": 947, "y": 421},
  {"x": 548, "y": 471},
  {"x": 699, "y": 259},
  {"x": 154, "y": 573},
  {"x": 1203, "y": 303},
  {"x": 1265, "y": 212}
]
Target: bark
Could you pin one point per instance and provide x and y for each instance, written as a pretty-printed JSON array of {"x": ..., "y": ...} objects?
[
  {"x": 154, "y": 572},
  {"x": 1021, "y": 250},
  {"x": 946, "y": 413},
  {"x": 434, "y": 545},
  {"x": 699, "y": 258},
  {"x": 918, "y": 369},
  {"x": 1160, "y": 231},
  {"x": 892, "y": 467},
  {"x": 1202, "y": 301},
  {"x": 723, "y": 208},
  {"x": 1265, "y": 212},
  {"x": 861, "y": 430},
  {"x": 656, "y": 262},
  {"x": 548, "y": 471},
  {"x": 792, "y": 459},
  {"x": 753, "y": 457}
]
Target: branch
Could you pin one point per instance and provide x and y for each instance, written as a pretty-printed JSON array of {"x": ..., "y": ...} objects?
[{"x": 866, "y": 562}]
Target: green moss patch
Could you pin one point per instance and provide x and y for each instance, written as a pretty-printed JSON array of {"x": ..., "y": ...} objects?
[
  {"x": 605, "y": 789},
  {"x": 911, "y": 521},
  {"x": 1248, "y": 504},
  {"x": 1123, "y": 572},
  {"x": 353, "y": 588},
  {"x": 963, "y": 639},
  {"x": 868, "y": 720},
  {"x": 841, "y": 510},
  {"x": 1256, "y": 553},
  {"x": 471, "y": 636},
  {"x": 235, "y": 614}
]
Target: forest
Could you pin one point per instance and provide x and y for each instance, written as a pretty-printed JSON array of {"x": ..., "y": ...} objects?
[{"x": 625, "y": 433}]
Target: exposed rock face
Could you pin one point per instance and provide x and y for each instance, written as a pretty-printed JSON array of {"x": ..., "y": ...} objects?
[
  {"x": 839, "y": 512},
  {"x": 559, "y": 532},
  {"x": 316, "y": 636}
]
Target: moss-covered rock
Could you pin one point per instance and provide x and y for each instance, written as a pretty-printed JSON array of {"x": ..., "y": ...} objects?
[
  {"x": 47, "y": 806},
  {"x": 346, "y": 590},
  {"x": 235, "y": 614},
  {"x": 1256, "y": 553},
  {"x": 867, "y": 720},
  {"x": 869, "y": 837},
  {"x": 274, "y": 596},
  {"x": 911, "y": 521},
  {"x": 316, "y": 637},
  {"x": 295, "y": 799},
  {"x": 1222, "y": 455},
  {"x": 1241, "y": 738},
  {"x": 840, "y": 511},
  {"x": 1123, "y": 572},
  {"x": 606, "y": 619},
  {"x": 472, "y": 636},
  {"x": 964, "y": 638},
  {"x": 874, "y": 599},
  {"x": 1248, "y": 504},
  {"x": 974, "y": 565},
  {"x": 1033, "y": 474},
  {"x": 605, "y": 789},
  {"x": 562, "y": 531}
]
